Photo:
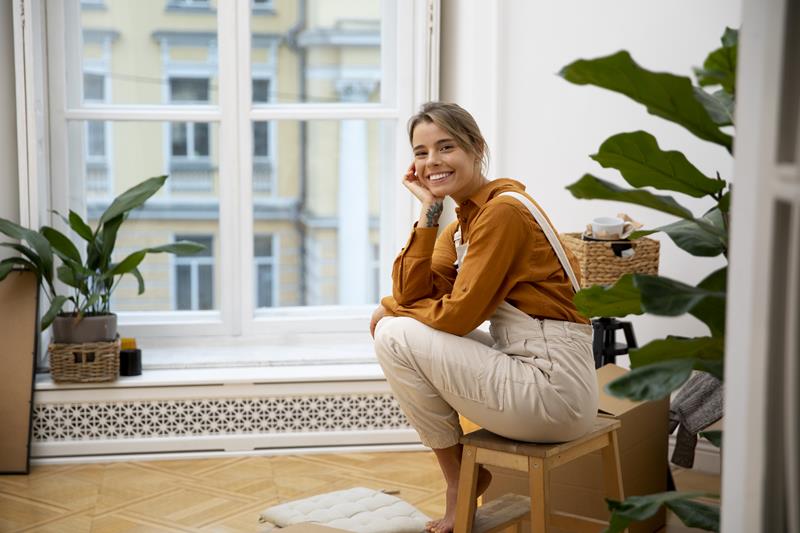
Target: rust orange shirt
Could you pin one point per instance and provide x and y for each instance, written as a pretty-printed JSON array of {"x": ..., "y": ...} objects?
[{"x": 509, "y": 258}]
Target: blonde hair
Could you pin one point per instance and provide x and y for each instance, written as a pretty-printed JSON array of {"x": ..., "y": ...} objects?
[{"x": 458, "y": 123}]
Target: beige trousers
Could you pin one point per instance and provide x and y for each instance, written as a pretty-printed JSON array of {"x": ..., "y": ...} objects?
[{"x": 530, "y": 380}]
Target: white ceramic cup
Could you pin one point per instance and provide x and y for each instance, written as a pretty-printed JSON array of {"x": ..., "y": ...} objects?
[{"x": 607, "y": 227}]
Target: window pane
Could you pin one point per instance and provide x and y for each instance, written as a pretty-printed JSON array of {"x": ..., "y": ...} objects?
[
  {"x": 262, "y": 246},
  {"x": 331, "y": 171},
  {"x": 205, "y": 287},
  {"x": 201, "y": 139},
  {"x": 261, "y": 139},
  {"x": 183, "y": 292},
  {"x": 260, "y": 90},
  {"x": 179, "y": 140},
  {"x": 142, "y": 47},
  {"x": 188, "y": 90},
  {"x": 93, "y": 87},
  {"x": 339, "y": 44},
  {"x": 264, "y": 286},
  {"x": 97, "y": 138},
  {"x": 186, "y": 207}
]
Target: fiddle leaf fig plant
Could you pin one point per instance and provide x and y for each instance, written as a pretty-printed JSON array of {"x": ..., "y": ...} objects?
[
  {"x": 663, "y": 365},
  {"x": 93, "y": 276}
]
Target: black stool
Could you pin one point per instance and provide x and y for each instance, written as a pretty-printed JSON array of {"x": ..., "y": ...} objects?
[{"x": 605, "y": 345}]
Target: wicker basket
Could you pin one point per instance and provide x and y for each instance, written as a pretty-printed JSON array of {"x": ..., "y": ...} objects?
[
  {"x": 604, "y": 262},
  {"x": 84, "y": 363}
]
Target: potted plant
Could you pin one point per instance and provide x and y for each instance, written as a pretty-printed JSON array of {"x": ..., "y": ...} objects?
[{"x": 91, "y": 277}]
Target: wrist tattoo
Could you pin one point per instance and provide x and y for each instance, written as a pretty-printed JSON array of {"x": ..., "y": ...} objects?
[{"x": 433, "y": 214}]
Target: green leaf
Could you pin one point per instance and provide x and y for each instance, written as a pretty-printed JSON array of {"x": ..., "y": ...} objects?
[
  {"x": 80, "y": 227},
  {"x": 42, "y": 248},
  {"x": 126, "y": 265},
  {"x": 71, "y": 276},
  {"x": 696, "y": 514},
  {"x": 139, "y": 279},
  {"x": 591, "y": 188},
  {"x": 55, "y": 308},
  {"x": 107, "y": 238},
  {"x": 12, "y": 229},
  {"x": 619, "y": 299},
  {"x": 652, "y": 382},
  {"x": 665, "y": 95},
  {"x": 179, "y": 247},
  {"x": 725, "y": 202},
  {"x": 711, "y": 348},
  {"x": 132, "y": 198},
  {"x": 715, "y": 437},
  {"x": 61, "y": 244},
  {"x": 5, "y": 270},
  {"x": 690, "y": 237},
  {"x": 719, "y": 105},
  {"x": 711, "y": 311},
  {"x": 638, "y": 508},
  {"x": 719, "y": 68},
  {"x": 667, "y": 297},
  {"x": 25, "y": 263},
  {"x": 643, "y": 164}
]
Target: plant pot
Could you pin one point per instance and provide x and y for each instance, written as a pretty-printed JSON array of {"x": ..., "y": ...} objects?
[{"x": 67, "y": 330}]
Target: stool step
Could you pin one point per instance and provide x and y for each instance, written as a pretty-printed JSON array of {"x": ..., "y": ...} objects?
[{"x": 498, "y": 514}]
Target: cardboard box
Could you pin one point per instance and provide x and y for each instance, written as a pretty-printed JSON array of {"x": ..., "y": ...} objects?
[{"x": 577, "y": 487}]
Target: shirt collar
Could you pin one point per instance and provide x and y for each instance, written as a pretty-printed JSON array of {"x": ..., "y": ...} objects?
[{"x": 491, "y": 189}]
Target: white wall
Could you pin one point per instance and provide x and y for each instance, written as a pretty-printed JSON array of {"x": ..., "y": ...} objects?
[
  {"x": 500, "y": 60},
  {"x": 9, "y": 185}
]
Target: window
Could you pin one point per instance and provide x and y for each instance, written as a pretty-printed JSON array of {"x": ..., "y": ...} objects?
[
  {"x": 194, "y": 276},
  {"x": 290, "y": 177},
  {"x": 266, "y": 276},
  {"x": 96, "y": 149}
]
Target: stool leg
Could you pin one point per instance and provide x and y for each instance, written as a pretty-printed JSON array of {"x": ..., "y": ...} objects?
[
  {"x": 467, "y": 489},
  {"x": 612, "y": 473},
  {"x": 539, "y": 480}
]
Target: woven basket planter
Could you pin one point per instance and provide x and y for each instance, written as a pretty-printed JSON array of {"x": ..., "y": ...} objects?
[
  {"x": 86, "y": 362},
  {"x": 604, "y": 262}
]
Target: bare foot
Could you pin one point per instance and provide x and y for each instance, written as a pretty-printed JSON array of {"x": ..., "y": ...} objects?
[{"x": 446, "y": 524}]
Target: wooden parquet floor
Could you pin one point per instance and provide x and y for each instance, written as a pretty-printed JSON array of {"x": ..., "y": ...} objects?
[{"x": 207, "y": 495}]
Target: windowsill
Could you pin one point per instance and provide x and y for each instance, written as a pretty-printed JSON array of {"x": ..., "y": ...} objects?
[
  {"x": 175, "y": 362},
  {"x": 194, "y": 9}
]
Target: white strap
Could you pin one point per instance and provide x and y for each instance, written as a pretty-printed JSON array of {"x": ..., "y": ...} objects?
[{"x": 550, "y": 233}]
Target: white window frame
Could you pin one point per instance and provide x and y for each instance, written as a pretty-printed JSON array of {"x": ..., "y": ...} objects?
[{"x": 415, "y": 66}]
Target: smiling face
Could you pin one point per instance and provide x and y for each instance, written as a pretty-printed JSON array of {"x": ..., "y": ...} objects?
[{"x": 443, "y": 166}]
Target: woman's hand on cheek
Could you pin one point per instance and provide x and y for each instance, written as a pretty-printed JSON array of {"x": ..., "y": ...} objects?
[{"x": 415, "y": 184}]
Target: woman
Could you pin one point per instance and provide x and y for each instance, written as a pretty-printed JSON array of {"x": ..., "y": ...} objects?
[{"x": 533, "y": 377}]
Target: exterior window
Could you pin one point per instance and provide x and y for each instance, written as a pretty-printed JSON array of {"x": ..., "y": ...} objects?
[
  {"x": 189, "y": 3},
  {"x": 194, "y": 276},
  {"x": 189, "y": 139},
  {"x": 266, "y": 276}
]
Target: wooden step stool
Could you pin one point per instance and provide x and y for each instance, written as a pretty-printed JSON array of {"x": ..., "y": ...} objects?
[{"x": 485, "y": 448}]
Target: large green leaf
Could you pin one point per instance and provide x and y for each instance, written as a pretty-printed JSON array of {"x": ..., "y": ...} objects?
[
  {"x": 638, "y": 508},
  {"x": 652, "y": 382},
  {"x": 61, "y": 244},
  {"x": 43, "y": 250},
  {"x": 71, "y": 276},
  {"x": 719, "y": 105},
  {"x": 719, "y": 68},
  {"x": 5, "y": 270},
  {"x": 668, "y": 297},
  {"x": 711, "y": 311},
  {"x": 107, "y": 237},
  {"x": 126, "y": 265},
  {"x": 714, "y": 436},
  {"x": 80, "y": 227},
  {"x": 132, "y": 198},
  {"x": 665, "y": 95},
  {"x": 178, "y": 247},
  {"x": 139, "y": 279},
  {"x": 12, "y": 229},
  {"x": 689, "y": 236},
  {"x": 592, "y": 188},
  {"x": 643, "y": 164},
  {"x": 711, "y": 348},
  {"x": 55, "y": 308},
  {"x": 619, "y": 299}
]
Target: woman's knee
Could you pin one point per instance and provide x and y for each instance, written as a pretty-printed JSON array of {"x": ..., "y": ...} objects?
[{"x": 392, "y": 335}]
